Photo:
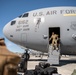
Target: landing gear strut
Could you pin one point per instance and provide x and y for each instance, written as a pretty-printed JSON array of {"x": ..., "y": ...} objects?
[{"x": 24, "y": 61}]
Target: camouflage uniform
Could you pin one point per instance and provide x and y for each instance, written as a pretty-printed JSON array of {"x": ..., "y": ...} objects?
[{"x": 8, "y": 60}]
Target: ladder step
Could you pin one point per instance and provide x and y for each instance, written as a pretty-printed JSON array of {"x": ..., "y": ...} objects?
[
  {"x": 53, "y": 56},
  {"x": 53, "y": 59}
]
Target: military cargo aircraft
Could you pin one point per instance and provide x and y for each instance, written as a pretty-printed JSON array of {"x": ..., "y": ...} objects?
[{"x": 45, "y": 29}]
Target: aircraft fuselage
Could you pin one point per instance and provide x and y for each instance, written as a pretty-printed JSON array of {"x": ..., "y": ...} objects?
[{"x": 32, "y": 31}]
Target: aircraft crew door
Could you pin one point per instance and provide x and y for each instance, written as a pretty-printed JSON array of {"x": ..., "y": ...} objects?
[{"x": 54, "y": 44}]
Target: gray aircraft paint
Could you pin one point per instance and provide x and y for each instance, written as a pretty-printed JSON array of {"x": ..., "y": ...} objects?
[{"x": 32, "y": 31}]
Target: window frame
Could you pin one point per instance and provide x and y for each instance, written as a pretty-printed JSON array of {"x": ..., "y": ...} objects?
[
  {"x": 13, "y": 22},
  {"x": 25, "y": 15}
]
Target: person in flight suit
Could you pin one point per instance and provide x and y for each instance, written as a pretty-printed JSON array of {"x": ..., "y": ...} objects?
[
  {"x": 8, "y": 60},
  {"x": 54, "y": 39}
]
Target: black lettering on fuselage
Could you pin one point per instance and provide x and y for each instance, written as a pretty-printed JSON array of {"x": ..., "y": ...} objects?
[
  {"x": 68, "y": 11},
  {"x": 38, "y": 14},
  {"x": 34, "y": 14},
  {"x": 23, "y": 22},
  {"x": 61, "y": 11},
  {"x": 51, "y": 12},
  {"x": 55, "y": 12}
]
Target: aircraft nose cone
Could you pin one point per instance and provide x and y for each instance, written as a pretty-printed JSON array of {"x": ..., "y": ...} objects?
[{"x": 6, "y": 31}]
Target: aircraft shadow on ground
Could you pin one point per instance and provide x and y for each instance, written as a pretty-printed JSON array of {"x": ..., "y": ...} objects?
[
  {"x": 65, "y": 62},
  {"x": 61, "y": 62}
]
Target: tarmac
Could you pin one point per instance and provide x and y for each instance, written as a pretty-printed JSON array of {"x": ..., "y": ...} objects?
[{"x": 66, "y": 66}]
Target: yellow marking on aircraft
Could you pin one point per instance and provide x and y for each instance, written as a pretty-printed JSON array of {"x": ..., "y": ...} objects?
[{"x": 69, "y": 14}]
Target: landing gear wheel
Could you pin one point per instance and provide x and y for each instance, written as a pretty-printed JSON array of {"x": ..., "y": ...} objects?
[{"x": 23, "y": 64}]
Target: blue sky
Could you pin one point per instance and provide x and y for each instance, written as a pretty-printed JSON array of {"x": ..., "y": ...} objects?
[{"x": 10, "y": 9}]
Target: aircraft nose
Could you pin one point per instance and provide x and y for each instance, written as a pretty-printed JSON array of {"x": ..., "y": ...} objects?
[{"x": 5, "y": 31}]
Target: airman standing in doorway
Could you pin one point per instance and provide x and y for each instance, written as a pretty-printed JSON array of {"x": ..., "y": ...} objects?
[{"x": 54, "y": 39}]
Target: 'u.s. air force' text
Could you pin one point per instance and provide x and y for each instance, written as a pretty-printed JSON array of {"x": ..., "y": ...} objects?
[{"x": 55, "y": 12}]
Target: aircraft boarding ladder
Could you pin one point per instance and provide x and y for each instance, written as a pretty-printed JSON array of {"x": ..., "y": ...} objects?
[{"x": 53, "y": 58}]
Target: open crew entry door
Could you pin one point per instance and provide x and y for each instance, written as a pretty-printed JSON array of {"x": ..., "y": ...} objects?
[{"x": 54, "y": 45}]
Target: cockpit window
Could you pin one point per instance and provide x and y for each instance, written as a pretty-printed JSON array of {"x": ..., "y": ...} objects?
[
  {"x": 13, "y": 22},
  {"x": 25, "y": 15},
  {"x": 20, "y": 16}
]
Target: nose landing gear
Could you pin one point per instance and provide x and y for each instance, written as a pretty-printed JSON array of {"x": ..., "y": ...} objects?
[{"x": 24, "y": 60}]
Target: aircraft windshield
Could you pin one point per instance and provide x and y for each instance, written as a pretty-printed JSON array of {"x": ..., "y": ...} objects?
[
  {"x": 24, "y": 15},
  {"x": 20, "y": 16}
]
